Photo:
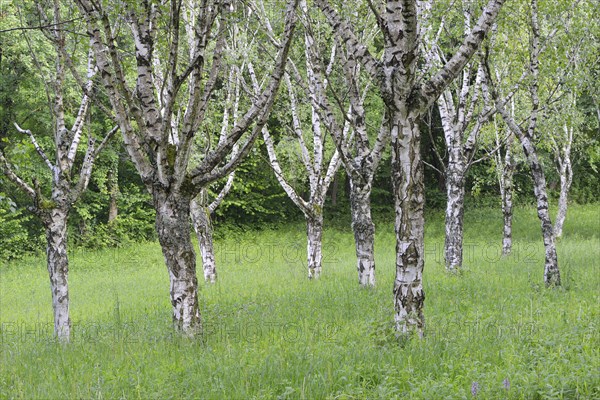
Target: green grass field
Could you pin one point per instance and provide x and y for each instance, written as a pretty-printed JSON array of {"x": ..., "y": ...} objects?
[{"x": 270, "y": 333}]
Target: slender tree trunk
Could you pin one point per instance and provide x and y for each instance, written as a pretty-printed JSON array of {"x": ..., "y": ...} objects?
[
  {"x": 407, "y": 179},
  {"x": 204, "y": 232},
  {"x": 566, "y": 178},
  {"x": 113, "y": 188},
  {"x": 172, "y": 226},
  {"x": 364, "y": 232},
  {"x": 113, "y": 209},
  {"x": 506, "y": 189},
  {"x": 455, "y": 190},
  {"x": 314, "y": 231},
  {"x": 334, "y": 190},
  {"x": 551, "y": 271},
  {"x": 58, "y": 270}
]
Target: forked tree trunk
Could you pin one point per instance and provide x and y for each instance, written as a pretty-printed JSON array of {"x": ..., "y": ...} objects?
[
  {"x": 551, "y": 271},
  {"x": 172, "y": 226},
  {"x": 314, "y": 230},
  {"x": 566, "y": 179},
  {"x": 204, "y": 232},
  {"x": 407, "y": 178},
  {"x": 506, "y": 191},
  {"x": 364, "y": 232},
  {"x": 455, "y": 206},
  {"x": 58, "y": 270}
]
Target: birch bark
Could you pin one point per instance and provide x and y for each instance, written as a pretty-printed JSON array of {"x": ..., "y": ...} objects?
[
  {"x": 506, "y": 171},
  {"x": 69, "y": 179}
]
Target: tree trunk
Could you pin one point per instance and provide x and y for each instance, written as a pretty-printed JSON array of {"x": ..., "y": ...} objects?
[
  {"x": 113, "y": 210},
  {"x": 566, "y": 178},
  {"x": 364, "y": 232},
  {"x": 455, "y": 190},
  {"x": 58, "y": 270},
  {"x": 506, "y": 189},
  {"x": 204, "y": 232},
  {"x": 334, "y": 190},
  {"x": 407, "y": 179},
  {"x": 113, "y": 188},
  {"x": 551, "y": 270},
  {"x": 314, "y": 231},
  {"x": 173, "y": 228}
]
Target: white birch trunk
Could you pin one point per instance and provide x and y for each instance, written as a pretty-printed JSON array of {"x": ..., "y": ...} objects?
[
  {"x": 58, "y": 269},
  {"x": 566, "y": 179},
  {"x": 551, "y": 271},
  {"x": 407, "y": 178},
  {"x": 506, "y": 191},
  {"x": 455, "y": 190},
  {"x": 204, "y": 232},
  {"x": 364, "y": 232},
  {"x": 314, "y": 232},
  {"x": 172, "y": 226}
]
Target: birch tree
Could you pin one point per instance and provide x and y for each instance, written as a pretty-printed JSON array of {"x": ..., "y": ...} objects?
[
  {"x": 320, "y": 172},
  {"x": 69, "y": 173},
  {"x": 406, "y": 99},
  {"x": 161, "y": 109},
  {"x": 505, "y": 169},
  {"x": 462, "y": 115},
  {"x": 315, "y": 163},
  {"x": 527, "y": 135},
  {"x": 462, "y": 123},
  {"x": 358, "y": 152}
]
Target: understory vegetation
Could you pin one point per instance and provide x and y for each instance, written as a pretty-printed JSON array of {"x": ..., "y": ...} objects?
[{"x": 493, "y": 331}]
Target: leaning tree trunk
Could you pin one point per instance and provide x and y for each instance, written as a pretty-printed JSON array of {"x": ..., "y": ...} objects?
[
  {"x": 58, "y": 268},
  {"x": 455, "y": 206},
  {"x": 407, "y": 179},
  {"x": 566, "y": 178},
  {"x": 364, "y": 232},
  {"x": 172, "y": 226},
  {"x": 204, "y": 232},
  {"x": 551, "y": 271},
  {"x": 314, "y": 232},
  {"x": 506, "y": 189}
]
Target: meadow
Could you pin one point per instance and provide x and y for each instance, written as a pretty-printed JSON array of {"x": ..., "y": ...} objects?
[{"x": 493, "y": 332}]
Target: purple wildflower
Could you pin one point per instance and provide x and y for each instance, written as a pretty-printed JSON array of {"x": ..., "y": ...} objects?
[
  {"x": 474, "y": 388},
  {"x": 506, "y": 384}
]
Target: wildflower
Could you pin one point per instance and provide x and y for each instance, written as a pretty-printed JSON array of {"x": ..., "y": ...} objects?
[
  {"x": 506, "y": 384},
  {"x": 474, "y": 388}
]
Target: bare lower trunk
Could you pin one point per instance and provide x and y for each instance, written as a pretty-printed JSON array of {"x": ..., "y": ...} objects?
[
  {"x": 551, "y": 270},
  {"x": 455, "y": 190},
  {"x": 172, "y": 226},
  {"x": 407, "y": 179},
  {"x": 58, "y": 269},
  {"x": 506, "y": 190},
  {"x": 364, "y": 233},
  {"x": 566, "y": 178},
  {"x": 113, "y": 209},
  {"x": 204, "y": 232},
  {"x": 507, "y": 212},
  {"x": 314, "y": 231}
]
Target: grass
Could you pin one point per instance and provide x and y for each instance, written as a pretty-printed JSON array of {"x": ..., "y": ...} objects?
[{"x": 270, "y": 333}]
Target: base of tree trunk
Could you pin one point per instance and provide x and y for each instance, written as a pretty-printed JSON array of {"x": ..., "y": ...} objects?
[
  {"x": 314, "y": 231},
  {"x": 58, "y": 271},
  {"x": 172, "y": 226}
]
